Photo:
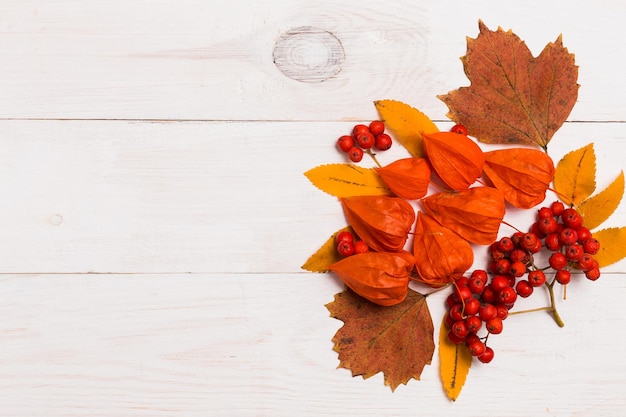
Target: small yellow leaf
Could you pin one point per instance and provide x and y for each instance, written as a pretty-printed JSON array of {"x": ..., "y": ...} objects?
[
  {"x": 325, "y": 256},
  {"x": 455, "y": 362},
  {"x": 347, "y": 180},
  {"x": 575, "y": 176},
  {"x": 406, "y": 123},
  {"x": 597, "y": 209},
  {"x": 612, "y": 245}
]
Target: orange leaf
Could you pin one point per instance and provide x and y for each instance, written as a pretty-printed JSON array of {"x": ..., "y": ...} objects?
[
  {"x": 382, "y": 278},
  {"x": 475, "y": 213},
  {"x": 406, "y": 123},
  {"x": 595, "y": 210},
  {"x": 523, "y": 175},
  {"x": 325, "y": 256},
  {"x": 383, "y": 222},
  {"x": 513, "y": 97},
  {"x": 396, "y": 340},
  {"x": 347, "y": 180},
  {"x": 456, "y": 158},
  {"x": 407, "y": 178},
  {"x": 575, "y": 175},
  {"x": 455, "y": 362},
  {"x": 441, "y": 256},
  {"x": 612, "y": 245}
]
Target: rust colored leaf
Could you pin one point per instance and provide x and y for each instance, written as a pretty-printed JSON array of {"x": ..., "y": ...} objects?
[
  {"x": 396, "y": 340},
  {"x": 595, "y": 210},
  {"x": 407, "y": 178},
  {"x": 347, "y": 180},
  {"x": 575, "y": 175},
  {"x": 325, "y": 256},
  {"x": 475, "y": 213},
  {"x": 441, "y": 255},
  {"x": 523, "y": 175},
  {"x": 456, "y": 159},
  {"x": 455, "y": 362},
  {"x": 612, "y": 245},
  {"x": 406, "y": 123},
  {"x": 383, "y": 222},
  {"x": 382, "y": 278},
  {"x": 513, "y": 97}
]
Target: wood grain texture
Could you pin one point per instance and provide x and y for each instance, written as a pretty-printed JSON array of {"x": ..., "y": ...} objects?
[{"x": 155, "y": 213}]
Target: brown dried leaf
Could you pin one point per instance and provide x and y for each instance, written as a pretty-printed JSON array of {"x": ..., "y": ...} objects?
[
  {"x": 513, "y": 97},
  {"x": 396, "y": 340}
]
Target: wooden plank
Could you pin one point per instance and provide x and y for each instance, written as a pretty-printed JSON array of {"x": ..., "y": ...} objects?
[
  {"x": 88, "y": 196},
  {"x": 250, "y": 345},
  {"x": 189, "y": 59}
]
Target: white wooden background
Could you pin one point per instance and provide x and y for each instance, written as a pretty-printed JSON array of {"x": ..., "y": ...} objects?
[{"x": 154, "y": 214}]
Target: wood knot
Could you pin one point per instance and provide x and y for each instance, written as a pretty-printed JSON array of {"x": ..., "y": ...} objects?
[{"x": 308, "y": 54}]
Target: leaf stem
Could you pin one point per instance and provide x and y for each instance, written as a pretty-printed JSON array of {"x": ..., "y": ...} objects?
[{"x": 373, "y": 155}]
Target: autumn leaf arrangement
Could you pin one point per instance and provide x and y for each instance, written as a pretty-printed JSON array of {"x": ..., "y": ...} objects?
[{"x": 417, "y": 221}]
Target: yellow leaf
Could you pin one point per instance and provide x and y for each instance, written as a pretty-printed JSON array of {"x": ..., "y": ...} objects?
[
  {"x": 612, "y": 245},
  {"x": 455, "y": 362},
  {"x": 325, "y": 256},
  {"x": 575, "y": 176},
  {"x": 597, "y": 209},
  {"x": 347, "y": 180},
  {"x": 406, "y": 123}
]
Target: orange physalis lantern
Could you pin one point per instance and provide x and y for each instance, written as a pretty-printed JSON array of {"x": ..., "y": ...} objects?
[
  {"x": 475, "y": 213},
  {"x": 441, "y": 255},
  {"x": 383, "y": 222},
  {"x": 407, "y": 178},
  {"x": 380, "y": 277},
  {"x": 523, "y": 175},
  {"x": 456, "y": 159}
]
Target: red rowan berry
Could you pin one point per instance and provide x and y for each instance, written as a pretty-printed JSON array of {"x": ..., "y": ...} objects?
[
  {"x": 383, "y": 142},
  {"x": 557, "y": 208},
  {"x": 507, "y": 295},
  {"x": 460, "y": 329},
  {"x": 501, "y": 266},
  {"x": 365, "y": 140},
  {"x": 524, "y": 288},
  {"x": 528, "y": 241},
  {"x": 449, "y": 321},
  {"x": 345, "y": 143},
  {"x": 344, "y": 235},
  {"x": 476, "y": 348},
  {"x": 494, "y": 325},
  {"x": 503, "y": 311},
  {"x": 568, "y": 236},
  {"x": 536, "y": 278},
  {"x": 358, "y": 129},
  {"x": 519, "y": 255},
  {"x": 472, "y": 337},
  {"x": 536, "y": 230},
  {"x": 360, "y": 247},
  {"x": 545, "y": 212},
  {"x": 462, "y": 292},
  {"x": 563, "y": 276},
  {"x": 487, "y": 356},
  {"x": 548, "y": 225},
  {"x": 489, "y": 295},
  {"x": 462, "y": 281},
  {"x": 517, "y": 269},
  {"x": 592, "y": 274},
  {"x": 377, "y": 127},
  {"x": 355, "y": 154},
  {"x": 495, "y": 252},
  {"x": 471, "y": 306},
  {"x": 473, "y": 323},
  {"x": 454, "y": 338},
  {"x": 498, "y": 282},
  {"x": 591, "y": 246},
  {"x": 487, "y": 312},
  {"x": 460, "y": 129},
  {"x": 477, "y": 283},
  {"x": 583, "y": 234},
  {"x": 456, "y": 312},
  {"x": 552, "y": 242},
  {"x": 574, "y": 252},
  {"x": 345, "y": 248},
  {"x": 451, "y": 300},
  {"x": 571, "y": 218},
  {"x": 517, "y": 238},
  {"x": 557, "y": 260},
  {"x": 587, "y": 262},
  {"x": 506, "y": 245}
]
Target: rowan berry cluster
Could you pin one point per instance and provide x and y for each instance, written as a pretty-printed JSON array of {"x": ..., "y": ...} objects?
[
  {"x": 559, "y": 233},
  {"x": 364, "y": 138},
  {"x": 348, "y": 244}
]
